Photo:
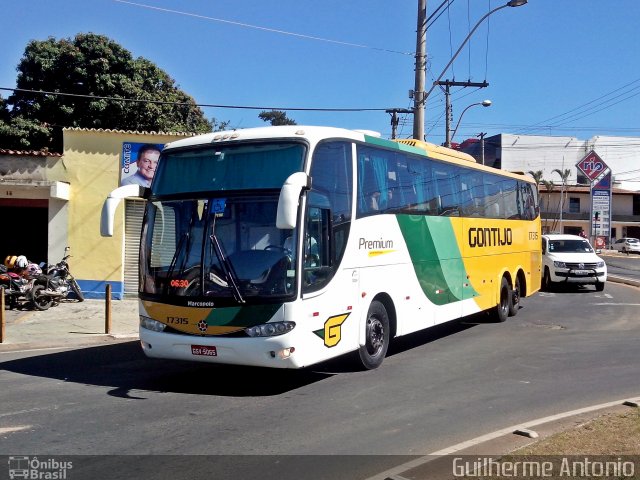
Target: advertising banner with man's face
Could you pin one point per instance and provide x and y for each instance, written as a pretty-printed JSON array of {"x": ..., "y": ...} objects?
[{"x": 139, "y": 162}]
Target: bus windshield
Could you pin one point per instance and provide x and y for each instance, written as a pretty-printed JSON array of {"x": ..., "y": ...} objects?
[
  {"x": 217, "y": 247},
  {"x": 216, "y": 168},
  {"x": 210, "y": 228}
]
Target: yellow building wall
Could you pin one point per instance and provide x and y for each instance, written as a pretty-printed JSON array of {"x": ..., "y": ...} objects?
[{"x": 91, "y": 164}]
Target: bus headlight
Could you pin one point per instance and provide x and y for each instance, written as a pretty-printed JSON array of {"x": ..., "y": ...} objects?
[
  {"x": 270, "y": 329},
  {"x": 559, "y": 264},
  {"x": 151, "y": 324}
]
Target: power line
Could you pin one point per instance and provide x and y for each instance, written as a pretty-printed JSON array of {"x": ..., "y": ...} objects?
[
  {"x": 581, "y": 107},
  {"x": 202, "y": 105},
  {"x": 265, "y": 29}
]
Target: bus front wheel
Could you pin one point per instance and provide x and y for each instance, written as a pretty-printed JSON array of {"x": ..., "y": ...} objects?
[{"x": 372, "y": 353}]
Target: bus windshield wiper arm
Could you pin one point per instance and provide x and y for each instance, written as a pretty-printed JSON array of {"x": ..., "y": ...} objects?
[
  {"x": 174, "y": 260},
  {"x": 228, "y": 268}
]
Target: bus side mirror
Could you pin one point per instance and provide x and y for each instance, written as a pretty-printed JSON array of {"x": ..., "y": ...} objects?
[
  {"x": 289, "y": 197},
  {"x": 111, "y": 203}
]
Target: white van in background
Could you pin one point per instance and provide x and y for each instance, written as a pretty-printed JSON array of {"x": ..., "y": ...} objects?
[{"x": 571, "y": 259}]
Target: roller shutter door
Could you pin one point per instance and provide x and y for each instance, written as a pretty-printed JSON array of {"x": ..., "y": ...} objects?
[{"x": 134, "y": 212}]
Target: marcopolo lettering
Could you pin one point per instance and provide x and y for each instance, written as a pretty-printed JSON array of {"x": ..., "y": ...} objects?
[{"x": 490, "y": 237}]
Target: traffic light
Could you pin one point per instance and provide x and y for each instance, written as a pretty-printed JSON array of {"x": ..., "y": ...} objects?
[{"x": 596, "y": 215}]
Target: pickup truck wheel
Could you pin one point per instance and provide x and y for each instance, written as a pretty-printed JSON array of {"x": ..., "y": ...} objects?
[
  {"x": 599, "y": 287},
  {"x": 546, "y": 281}
]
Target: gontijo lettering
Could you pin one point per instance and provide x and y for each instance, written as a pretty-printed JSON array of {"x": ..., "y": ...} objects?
[{"x": 490, "y": 237}]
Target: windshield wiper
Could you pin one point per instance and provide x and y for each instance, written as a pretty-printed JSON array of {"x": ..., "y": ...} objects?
[{"x": 227, "y": 267}]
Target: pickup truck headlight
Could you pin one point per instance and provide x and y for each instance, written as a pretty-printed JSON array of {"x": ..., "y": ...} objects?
[
  {"x": 600, "y": 264},
  {"x": 559, "y": 264}
]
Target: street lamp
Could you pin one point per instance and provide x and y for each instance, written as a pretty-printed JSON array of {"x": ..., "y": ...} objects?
[
  {"x": 484, "y": 103},
  {"x": 422, "y": 99}
]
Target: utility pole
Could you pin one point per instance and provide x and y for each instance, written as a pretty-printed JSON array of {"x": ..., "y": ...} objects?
[
  {"x": 452, "y": 83},
  {"x": 482, "y": 135},
  {"x": 419, "y": 96},
  {"x": 395, "y": 120}
]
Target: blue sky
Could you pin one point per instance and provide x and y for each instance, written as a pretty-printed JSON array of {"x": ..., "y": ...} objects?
[{"x": 554, "y": 67}]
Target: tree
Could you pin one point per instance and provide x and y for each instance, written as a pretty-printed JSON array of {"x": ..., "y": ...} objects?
[
  {"x": 276, "y": 117},
  {"x": 91, "y": 66},
  {"x": 549, "y": 186},
  {"x": 564, "y": 175},
  {"x": 537, "y": 176}
]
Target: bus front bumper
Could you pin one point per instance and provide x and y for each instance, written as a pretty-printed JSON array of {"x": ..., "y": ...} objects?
[{"x": 273, "y": 352}]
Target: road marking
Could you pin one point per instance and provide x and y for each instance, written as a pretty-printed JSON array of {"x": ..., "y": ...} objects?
[
  {"x": 616, "y": 304},
  {"x": 17, "y": 428}
]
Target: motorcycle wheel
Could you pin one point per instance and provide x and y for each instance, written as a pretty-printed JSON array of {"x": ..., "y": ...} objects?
[
  {"x": 76, "y": 289},
  {"x": 39, "y": 299}
]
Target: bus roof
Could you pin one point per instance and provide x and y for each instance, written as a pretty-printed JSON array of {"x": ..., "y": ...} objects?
[{"x": 314, "y": 134}]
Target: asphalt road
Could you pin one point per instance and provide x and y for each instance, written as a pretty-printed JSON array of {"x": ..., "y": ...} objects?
[
  {"x": 623, "y": 265},
  {"x": 564, "y": 350}
]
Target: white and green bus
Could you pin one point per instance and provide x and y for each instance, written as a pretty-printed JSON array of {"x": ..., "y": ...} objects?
[{"x": 287, "y": 246}]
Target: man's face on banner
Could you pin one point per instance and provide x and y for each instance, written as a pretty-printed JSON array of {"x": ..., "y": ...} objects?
[{"x": 147, "y": 163}]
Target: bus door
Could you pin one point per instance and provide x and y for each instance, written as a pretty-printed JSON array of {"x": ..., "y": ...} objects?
[{"x": 329, "y": 293}]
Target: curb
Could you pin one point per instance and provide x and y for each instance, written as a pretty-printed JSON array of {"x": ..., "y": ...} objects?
[
  {"x": 92, "y": 341},
  {"x": 623, "y": 280}
]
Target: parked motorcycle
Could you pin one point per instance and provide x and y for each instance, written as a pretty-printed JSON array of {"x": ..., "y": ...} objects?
[
  {"x": 54, "y": 284},
  {"x": 17, "y": 289}
]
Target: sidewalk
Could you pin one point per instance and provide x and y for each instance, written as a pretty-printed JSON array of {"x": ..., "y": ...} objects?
[{"x": 70, "y": 324}]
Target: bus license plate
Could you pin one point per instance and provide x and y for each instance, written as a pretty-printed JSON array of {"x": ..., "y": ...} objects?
[
  {"x": 581, "y": 272},
  {"x": 204, "y": 350}
]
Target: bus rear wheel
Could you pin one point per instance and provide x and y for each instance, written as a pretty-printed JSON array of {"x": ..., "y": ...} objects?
[
  {"x": 501, "y": 311},
  {"x": 372, "y": 353},
  {"x": 514, "y": 305}
]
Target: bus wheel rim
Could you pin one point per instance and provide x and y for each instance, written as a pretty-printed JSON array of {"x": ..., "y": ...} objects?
[{"x": 375, "y": 336}]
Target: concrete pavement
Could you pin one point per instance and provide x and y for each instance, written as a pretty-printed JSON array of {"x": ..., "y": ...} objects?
[{"x": 70, "y": 324}]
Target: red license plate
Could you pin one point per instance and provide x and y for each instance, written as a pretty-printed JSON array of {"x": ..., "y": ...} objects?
[{"x": 204, "y": 350}]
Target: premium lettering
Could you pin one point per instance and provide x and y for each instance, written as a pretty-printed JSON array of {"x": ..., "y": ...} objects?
[
  {"x": 363, "y": 243},
  {"x": 490, "y": 237}
]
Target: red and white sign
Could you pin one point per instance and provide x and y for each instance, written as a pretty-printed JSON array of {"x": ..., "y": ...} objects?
[{"x": 592, "y": 165}]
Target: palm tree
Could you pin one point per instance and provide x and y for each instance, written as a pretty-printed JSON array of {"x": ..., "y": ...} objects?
[
  {"x": 564, "y": 175},
  {"x": 549, "y": 186},
  {"x": 537, "y": 176}
]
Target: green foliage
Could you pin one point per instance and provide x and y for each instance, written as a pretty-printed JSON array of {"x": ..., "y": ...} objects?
[
  {"x": 217, "y": 126},
  {"x": 276, "y": 117},
  {"x": 91, "y": 65},
  {"x": 21, "y": 134}
]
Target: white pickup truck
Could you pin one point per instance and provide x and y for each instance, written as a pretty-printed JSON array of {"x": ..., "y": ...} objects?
[{"x": 571, "y": 259}]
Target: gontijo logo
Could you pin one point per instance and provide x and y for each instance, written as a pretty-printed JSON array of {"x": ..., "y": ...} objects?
[
  {"x": 375, "y": 247},
  {"x": 332, "y": 331},
  {"x": 490, "y": 237}
]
